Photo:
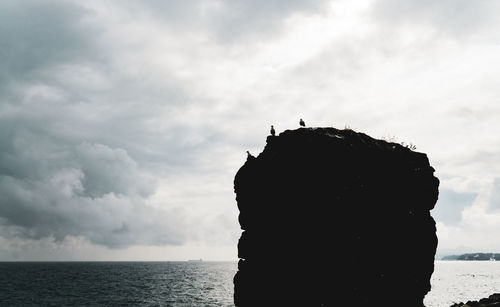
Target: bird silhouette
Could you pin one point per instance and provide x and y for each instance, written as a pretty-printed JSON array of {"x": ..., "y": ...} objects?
[
  {"x": 272, "y": 131},
  {"x": 249, "y": 155},
  {"x": 301, "y": 122}
]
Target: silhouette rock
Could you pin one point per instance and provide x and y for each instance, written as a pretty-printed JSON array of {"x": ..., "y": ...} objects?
[
  {"x": 491, "y": 301},
  {"x": 335, "y": 218}
]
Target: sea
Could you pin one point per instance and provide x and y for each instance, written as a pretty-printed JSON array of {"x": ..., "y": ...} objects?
[
  {"x": 190, "y": 284},
  {"x": 461, "y": 281}
]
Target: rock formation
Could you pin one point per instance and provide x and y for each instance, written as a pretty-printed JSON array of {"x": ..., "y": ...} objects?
[
  {"x": 492, "y": 301},
  {"x": 335, "y": 218}
]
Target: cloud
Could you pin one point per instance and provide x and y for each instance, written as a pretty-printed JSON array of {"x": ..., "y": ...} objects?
[
  {"x": 494, "y": 201},
  {"x": 450, "y": 206},
  {"x": 454, "y": 18},
  {"x": 89, "y": 190},
  {"x": 474, "y": 230},
  {"x": 227, "y": 21},
  {"x": 123, "y": 123},
  {"x": 109, "y": 170},
  {"x": 236, "y": 19},
  {"x": 36, "y": 34},
  {"x": 88, "y": 131}
]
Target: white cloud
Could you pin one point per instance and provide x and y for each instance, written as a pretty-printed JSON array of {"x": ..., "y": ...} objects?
[{"x": 478, "y": 223}]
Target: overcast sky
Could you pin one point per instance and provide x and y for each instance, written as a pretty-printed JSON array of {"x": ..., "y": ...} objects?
[{"x": 123, "y": 123}]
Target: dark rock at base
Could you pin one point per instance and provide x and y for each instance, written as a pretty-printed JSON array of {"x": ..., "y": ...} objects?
[
  {"x": 492, "y": 301},
  {"x": 335, "y": 218}
]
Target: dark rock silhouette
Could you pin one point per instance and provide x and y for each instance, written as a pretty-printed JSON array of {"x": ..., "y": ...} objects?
[
  {"x": 492, "y": 301},
  {"x": 335, "y": 218}
]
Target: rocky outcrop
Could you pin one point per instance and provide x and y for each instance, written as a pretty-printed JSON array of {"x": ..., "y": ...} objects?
[
  {"x": 492, "y": 301},
  {"x": 324, "y": 212}
]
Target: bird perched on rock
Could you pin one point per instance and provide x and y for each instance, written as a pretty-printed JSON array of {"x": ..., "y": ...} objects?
[
  {"x": 301, "y": 122},
  {"x": 249, "y": 156},
  {"x": 272, "y": 131}
]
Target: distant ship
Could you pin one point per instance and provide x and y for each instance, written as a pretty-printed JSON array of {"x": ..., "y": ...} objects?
[{"x": 195, "y": 260}]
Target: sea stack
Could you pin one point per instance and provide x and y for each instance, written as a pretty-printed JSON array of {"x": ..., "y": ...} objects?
[{"x": 335, "y": 218}]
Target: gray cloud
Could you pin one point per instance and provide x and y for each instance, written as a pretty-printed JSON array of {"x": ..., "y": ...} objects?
[
  {"x": 85, "y": 136},
  {"x": 39, "y": 209},
  {"x": 123, "y": 123},
  {"x": 453, "y": 17},
  {"x": 110, "y": 170},
  {"x": 228, "y": 21},
  {"x": 494, "y": 201},
  {"x": 91, "y": 190},
  {"x": 450, "y": 205},
  {"x": 241, "y": 18},
  {"x": 178, "y": 13},
  {"x": 35, "y": 34}
]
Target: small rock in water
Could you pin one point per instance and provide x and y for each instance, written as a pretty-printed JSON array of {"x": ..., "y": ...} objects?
[{"x": 492, "y": 301}]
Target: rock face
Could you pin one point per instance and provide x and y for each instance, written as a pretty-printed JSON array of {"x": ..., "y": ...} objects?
[
  {"x": 492, "y": 301},
  {"x": 324, "y": 213}
]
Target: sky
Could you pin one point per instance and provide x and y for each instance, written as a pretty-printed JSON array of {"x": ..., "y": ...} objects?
[{"x": 123, "y": 123}]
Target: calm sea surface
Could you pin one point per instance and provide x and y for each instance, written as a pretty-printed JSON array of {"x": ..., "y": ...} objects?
[
  {"x": 117, "y": 283},
  {"x": 460, "y": 281},
  {"x": 189, "y": 283}
]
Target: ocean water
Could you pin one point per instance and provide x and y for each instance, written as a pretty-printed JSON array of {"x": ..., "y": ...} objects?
[
  {"x": 190, "y": 284},
  {"x": 461, "y": 281},
  {"x": 117, "y": 284}
]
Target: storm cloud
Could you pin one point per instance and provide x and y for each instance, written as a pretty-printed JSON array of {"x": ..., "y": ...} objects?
[
  {"x": 81, "y": 153},
  {"x": 122, "y": 124}
]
